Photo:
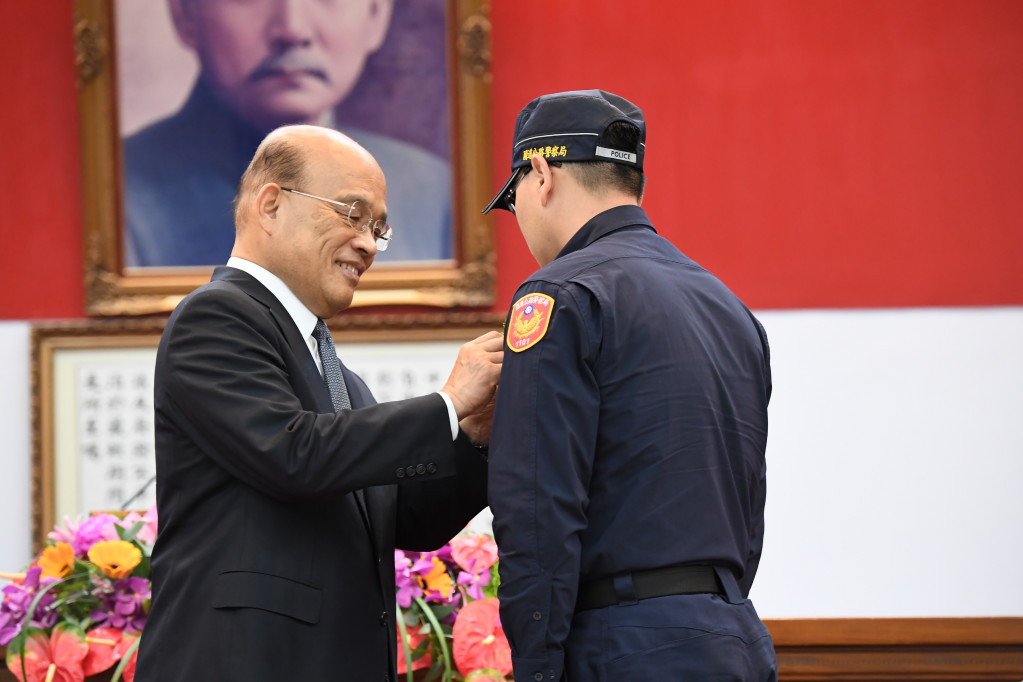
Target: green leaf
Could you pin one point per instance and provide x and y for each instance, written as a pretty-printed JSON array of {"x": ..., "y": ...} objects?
[
  {"x": 404, "y": 641},
  {"x": 143, "y": 569},
  {"x": 490, "y": 590},
  {"x": 128, "y": 534},
  {"x": 442, "y": 612},
  {"x": 445, "y": 652}
]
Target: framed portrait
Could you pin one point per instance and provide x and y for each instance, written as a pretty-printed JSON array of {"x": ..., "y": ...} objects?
[
  {"x": 176, "y": 95},
  {"x": 92, "y": 399}
]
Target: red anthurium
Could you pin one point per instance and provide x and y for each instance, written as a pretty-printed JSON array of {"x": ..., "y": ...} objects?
[
  {"x": 479, "y": 640},
  {"x": 57, "y": 658},
  {"x": 103, "y": 654},
  {"x": 414, "y": 640},
  {"x": 475, "y": 553},
  {"x": 126, "y": 643}
]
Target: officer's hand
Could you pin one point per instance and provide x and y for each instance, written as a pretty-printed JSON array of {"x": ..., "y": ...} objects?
[{"x": 473, "y": 379}]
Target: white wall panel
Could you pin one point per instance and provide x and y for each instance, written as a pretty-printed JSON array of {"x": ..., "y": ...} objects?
[
  {"x": 895, "y": 462},
  {"x": 15, "y": 447}
]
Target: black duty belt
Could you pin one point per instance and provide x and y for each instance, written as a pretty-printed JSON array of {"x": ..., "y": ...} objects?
[{"x": 654, "y": 582}]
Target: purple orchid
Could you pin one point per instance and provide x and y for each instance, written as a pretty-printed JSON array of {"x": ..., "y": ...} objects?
[
  {"x": 124, "y": 605},
  {"x": 408, "y": 586},
  {"x": 9, "y": 625},
  {"x": 16, "y": 602},
  {"x": 473, "y": 580}
]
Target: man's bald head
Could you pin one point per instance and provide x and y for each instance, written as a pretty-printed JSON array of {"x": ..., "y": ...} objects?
[
  {"x": 293, "y": 213},
  {"x": 282, "y": 158}
]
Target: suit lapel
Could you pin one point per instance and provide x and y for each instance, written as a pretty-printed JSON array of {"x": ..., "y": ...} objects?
[
  {"x": 320, "y": 394},
  {"x": 357, "y": 392}
]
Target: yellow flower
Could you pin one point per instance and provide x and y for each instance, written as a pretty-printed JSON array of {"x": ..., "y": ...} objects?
[
  {"x": 438, "y": 579},
  {"x": 57, "y": 561},
  {"x": 115, "y": 558}
]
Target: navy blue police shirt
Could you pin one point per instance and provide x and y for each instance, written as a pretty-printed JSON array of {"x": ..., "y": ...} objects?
[{"x": 629, "y": 431}]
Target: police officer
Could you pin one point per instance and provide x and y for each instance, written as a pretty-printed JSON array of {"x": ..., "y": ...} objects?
[{"x": 627, "y": 472}]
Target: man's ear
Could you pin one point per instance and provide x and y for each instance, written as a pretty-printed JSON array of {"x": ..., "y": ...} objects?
[
  {"x": 185, "y": 22},
  {"x": 267, "y": 205},
  {"x": 379, "y": 19}
]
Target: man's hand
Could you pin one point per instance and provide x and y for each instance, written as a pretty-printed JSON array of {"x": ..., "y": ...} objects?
[
  {"x": 473, "y": 379},
  {"x": 477, "y": 424}
]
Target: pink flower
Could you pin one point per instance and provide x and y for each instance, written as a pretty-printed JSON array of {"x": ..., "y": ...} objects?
[
  {"x": 93, "y": 530},
  {"x": 67, "y": 533},
  {"x": 147, "y": 533},
  {"x": 471, "y": 546}
]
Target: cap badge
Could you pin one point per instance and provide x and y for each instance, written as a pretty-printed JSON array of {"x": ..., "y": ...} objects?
[{"x": 547, "y": 152}]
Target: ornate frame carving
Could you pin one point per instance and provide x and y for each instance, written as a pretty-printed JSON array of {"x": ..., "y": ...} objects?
[{"x": 110, "y": 290}]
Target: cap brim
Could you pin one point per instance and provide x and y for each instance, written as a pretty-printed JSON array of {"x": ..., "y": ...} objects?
[{"x": 500, "y": 199}]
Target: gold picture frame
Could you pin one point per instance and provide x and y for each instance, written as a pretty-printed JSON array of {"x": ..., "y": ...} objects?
[
  {"x": 467, "y": 280},
  {"x": 412, "y": 349}
]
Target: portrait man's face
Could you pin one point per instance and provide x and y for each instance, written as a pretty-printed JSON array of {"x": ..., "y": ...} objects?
[{"x": 282, "y": 61}]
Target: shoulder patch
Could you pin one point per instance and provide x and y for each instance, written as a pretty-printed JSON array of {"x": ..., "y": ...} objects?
[{"x": 528, "y": 321}]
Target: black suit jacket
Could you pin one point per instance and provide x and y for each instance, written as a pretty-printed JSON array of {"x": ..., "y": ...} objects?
[{"x": 278, "y": 517}]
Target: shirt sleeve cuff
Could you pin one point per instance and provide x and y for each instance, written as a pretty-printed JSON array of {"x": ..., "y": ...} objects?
[{"x": 452, "y": 416}]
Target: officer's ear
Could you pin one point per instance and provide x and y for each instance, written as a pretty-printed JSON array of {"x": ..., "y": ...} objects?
[{"x": 543, "y": 176}]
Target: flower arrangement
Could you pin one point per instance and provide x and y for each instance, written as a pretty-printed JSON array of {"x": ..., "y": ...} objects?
[
  {"x": 80, "y": 606},
  {"x": 448, "y": 623}
]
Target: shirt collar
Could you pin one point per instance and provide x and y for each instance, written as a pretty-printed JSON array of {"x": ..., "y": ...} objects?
[
  {"x": 304, "y": 319},
  {"x": 604, "y": 223}
]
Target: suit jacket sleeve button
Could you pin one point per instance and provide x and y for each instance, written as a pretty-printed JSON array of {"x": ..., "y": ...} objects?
[
  {"x": 400, "y": 473},
  {"x": 410, "y": 471},
  {"x": 421, "y": 469},
  {"x": 431, "y": 467}
]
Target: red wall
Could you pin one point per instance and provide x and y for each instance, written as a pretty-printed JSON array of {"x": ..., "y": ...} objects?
[
  {"x": 40, "y": 220},
  {"x": 849, "y": 153}
]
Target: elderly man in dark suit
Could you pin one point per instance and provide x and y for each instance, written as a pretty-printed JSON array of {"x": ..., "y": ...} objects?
[{"x": 282, "y": 487}]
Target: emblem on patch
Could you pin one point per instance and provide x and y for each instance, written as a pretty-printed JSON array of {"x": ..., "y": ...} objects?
[{"x": 528, "y": 321}]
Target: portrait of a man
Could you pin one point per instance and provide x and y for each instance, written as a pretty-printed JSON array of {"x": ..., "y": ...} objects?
[{"x": 266, "y": 63}]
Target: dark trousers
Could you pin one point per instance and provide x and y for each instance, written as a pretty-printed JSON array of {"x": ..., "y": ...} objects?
[{"x": 679, "y": 638}]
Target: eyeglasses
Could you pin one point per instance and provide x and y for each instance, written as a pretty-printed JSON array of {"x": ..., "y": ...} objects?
[
  {"x": 358, "y": 216},
  {"x": 509, "y": 199}
]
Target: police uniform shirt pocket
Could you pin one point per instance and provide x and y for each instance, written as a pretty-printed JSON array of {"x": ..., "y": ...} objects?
[{"x": 246, "y": 589}]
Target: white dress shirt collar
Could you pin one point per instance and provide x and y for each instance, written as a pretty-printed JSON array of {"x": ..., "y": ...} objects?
[{"x": 305, "y": 320}]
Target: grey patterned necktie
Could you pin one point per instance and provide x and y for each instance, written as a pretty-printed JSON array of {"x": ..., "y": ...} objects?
[{"x": 331, "y": 368}]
